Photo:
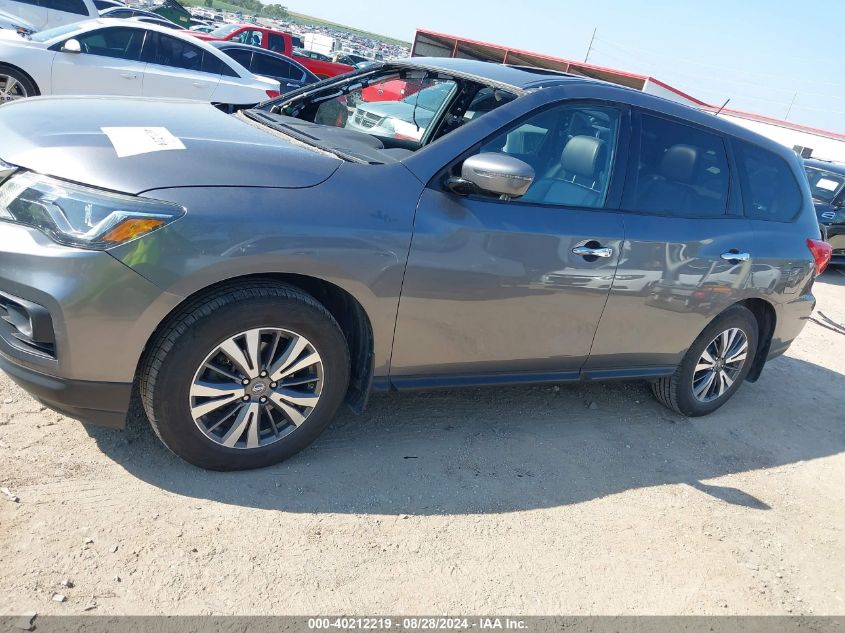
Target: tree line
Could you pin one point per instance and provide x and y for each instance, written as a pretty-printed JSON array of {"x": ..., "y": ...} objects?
[{"x": 256, "y": 7}]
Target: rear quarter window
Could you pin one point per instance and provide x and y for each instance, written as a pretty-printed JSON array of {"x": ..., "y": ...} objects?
[{"x": 769, "y": 188}]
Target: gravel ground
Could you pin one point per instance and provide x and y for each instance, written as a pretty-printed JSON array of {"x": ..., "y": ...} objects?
[{"x": 523, "y": 500}]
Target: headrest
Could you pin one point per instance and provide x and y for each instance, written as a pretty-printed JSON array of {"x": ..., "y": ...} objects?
[
  {"x": 679, "y": 163},
  {"x": 580, "y": 125},
  {"x": 583, "y": 156}
]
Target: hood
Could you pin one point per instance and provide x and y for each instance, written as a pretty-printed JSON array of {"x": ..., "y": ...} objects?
[
  {"x": 8, "y": 26},
  {"x": 63, "y": 137}
]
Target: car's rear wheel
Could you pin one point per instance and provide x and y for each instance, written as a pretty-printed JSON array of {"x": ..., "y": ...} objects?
[
  {"x": 714, "y": 367},
  {"x": 15, "y": 85},
  {"x": 245, "y": 377}
]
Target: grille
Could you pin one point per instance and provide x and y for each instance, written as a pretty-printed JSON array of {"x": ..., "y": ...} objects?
[{"x": 367, "y": 119}]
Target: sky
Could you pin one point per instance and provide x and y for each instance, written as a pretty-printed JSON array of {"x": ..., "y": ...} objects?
[{"x": 760, "y": 54}]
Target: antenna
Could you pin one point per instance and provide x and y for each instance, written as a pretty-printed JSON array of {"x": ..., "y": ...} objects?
[
  {"x": 590, "y": 47},
  {"x": 723, "y": 107}
]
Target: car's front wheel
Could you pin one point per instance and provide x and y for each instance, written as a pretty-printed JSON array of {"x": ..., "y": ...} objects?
[
  {"x": 714, "y": 367},
  {"x": 15, "y": 85},
  {"x": 245, "y": 377}
]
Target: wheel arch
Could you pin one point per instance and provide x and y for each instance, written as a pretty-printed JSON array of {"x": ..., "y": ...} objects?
[
  {"x": 764, "y": 313},
  {"x": 24, "y": 73},
  {"x": 345, "y": 308}
]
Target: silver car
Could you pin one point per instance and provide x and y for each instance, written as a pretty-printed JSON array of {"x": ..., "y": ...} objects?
[{"x": 245, "y": 275}]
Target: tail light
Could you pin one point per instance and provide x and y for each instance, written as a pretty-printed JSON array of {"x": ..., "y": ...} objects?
[
  {"x": 273, "y": 93},
  {"x": 822, "y": 252}
]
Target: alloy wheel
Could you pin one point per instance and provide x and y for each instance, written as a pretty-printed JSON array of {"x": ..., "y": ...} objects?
[
  {"x": 11, "y": 89},
  {"x": 720, "y": 365},
  {"x": 256, "y": 388}
]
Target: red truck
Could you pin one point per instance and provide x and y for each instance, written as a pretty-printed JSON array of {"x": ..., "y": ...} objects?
[{"x": 277, "y": 41}]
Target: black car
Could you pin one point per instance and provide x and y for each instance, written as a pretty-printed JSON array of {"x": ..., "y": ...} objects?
[
  {"x": 259, "y": 61},
  {"x": 827, "y": 184}
]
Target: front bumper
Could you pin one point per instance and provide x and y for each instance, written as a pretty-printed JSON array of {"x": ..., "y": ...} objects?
[
  {"x": 99, "y": 403},
  {"x": 89, "y": 315}
]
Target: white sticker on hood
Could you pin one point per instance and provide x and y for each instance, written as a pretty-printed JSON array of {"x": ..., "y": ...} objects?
[{"x": 131, "y": 141}]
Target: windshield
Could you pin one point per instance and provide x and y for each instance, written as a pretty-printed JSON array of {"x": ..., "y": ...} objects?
[
  {"x": 386, "y": 111},
  {"x": 226, "y": 29},
  {"x": 430, "y": 98},
  {"x": 59, "y": 31},
  {"x": 824, "y": 185}
]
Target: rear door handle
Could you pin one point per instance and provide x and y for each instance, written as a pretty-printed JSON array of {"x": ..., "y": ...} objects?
[
  {"x": 199, "y": 84},
  {"x": 587, "y": 251},
  {"x": 734, "y": 255}
]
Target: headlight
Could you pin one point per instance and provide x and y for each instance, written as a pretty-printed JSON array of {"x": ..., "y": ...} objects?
[{"x": 81, "y": 216}]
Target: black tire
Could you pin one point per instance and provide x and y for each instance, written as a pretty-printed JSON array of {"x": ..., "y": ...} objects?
[
  {"x": 168, "y": 369},
  {"x": 26, "y": 84},
  {"x": 676, "y": 391}
]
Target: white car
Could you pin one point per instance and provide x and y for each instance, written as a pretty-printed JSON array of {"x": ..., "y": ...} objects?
[
  {"x": 48, "y": 14},
  {"x": 13, "y": 22},
  {"x": 126, "y": 58}
]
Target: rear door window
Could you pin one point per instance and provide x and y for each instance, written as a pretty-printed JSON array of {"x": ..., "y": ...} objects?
[
  {"x": 170, "y": 51},
  {"x": 769, "y": 189},
  {"x": 216, "y": 66},
  {"x": 681, "y": 170}
]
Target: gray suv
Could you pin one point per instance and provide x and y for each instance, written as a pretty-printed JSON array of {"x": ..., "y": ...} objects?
[{"x": 247, "y": 274}]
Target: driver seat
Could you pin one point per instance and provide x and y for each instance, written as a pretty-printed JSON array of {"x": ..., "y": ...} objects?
[{"x": 582, "y": 164}]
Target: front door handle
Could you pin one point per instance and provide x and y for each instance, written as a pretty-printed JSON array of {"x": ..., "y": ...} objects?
[
  {"x": 734, "y": 255},
  {"x": 587, "y": 251},
  {"x": 199, "y": 84},
  {"x": 129, "y": 75}
]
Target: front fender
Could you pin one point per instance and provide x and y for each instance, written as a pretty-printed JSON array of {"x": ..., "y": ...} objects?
[{"x": 353, "y": 231}]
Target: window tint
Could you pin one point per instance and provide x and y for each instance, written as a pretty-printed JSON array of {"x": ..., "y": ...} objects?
[
  {"x": 270, "y": 66},
  {"x": 682, "y": 170},
  {"x": 120, "y": 13},
  {"x": 769, "y": 188},
  {"x": 216, "y": 66},
  {"x": 69, "y": 6},
  {"x": 276, "y": 42},
  {"x": 571, "y": 149},
  {"x": 244, "y": 58},
  {"x": 118, "y": 42},
  {"x": 170, "y": 51}
]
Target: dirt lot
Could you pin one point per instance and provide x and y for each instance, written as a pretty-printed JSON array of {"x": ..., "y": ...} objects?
[{"x": 479, "y": 501}]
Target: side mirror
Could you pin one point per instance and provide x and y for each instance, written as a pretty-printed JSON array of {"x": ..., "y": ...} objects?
[
  {"x": 495, "y": 173},
  {"x": 71, "y": 46}
]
